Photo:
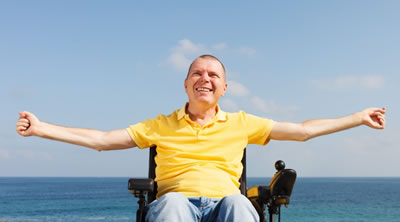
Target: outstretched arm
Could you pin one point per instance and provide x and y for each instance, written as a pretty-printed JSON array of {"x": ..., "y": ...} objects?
[
  {"x": 29, "y": 125},
  {"x": 372, "y": 117}
]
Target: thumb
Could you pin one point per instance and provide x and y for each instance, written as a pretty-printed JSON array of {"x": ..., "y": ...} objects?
[
  {"x": 22, "y": 114},
  {"x": 29, "y": 116}
]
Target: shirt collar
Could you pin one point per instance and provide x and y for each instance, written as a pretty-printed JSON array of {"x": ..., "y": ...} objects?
[{"x": 220, "y": 116}]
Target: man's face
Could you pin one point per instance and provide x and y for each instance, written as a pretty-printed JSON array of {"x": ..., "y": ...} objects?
[{"x": 205, "y": 82}]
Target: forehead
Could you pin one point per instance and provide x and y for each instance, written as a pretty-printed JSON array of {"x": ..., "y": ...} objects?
[{"x": 207, "y": 64}]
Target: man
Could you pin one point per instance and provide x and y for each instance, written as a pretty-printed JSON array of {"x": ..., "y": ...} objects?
[{"x": 199, "y": 146}]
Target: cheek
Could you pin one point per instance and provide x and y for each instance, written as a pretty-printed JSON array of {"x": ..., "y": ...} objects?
[{"x": 188, "y": 85}]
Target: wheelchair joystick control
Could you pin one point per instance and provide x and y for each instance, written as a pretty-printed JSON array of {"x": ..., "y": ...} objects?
[{"x": 279, "y": 165}]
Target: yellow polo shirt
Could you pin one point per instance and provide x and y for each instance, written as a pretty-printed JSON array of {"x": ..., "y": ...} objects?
[{"x": 200, "y": 161}]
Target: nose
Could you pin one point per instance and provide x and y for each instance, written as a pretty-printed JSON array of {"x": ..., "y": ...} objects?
[{"x": 205, "y": 77}]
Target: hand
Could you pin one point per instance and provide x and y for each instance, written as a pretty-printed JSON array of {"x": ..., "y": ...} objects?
[
  {"x": 374, "y": 117},
  {"x": 27, "y": 124}
]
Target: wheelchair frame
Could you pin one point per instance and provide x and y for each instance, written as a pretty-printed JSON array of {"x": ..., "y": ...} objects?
[{"x": 262, "y": 197}]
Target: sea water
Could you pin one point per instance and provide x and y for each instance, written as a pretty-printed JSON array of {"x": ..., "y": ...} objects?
[{"x": 107, "y": 199}]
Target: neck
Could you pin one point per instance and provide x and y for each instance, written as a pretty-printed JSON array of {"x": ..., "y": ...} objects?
[{"x": 201, "y": 114}]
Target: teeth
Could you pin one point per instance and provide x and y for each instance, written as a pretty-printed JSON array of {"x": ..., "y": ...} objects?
[{"x": 203, "y": 90}]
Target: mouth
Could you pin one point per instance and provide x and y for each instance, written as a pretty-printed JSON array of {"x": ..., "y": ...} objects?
[{"x": 202, "y": 89}]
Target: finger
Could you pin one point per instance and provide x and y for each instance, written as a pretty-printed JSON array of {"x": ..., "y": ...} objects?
[
  {"x": 378, "y": 110},
  {"x": 377, "y": 115},
  {"x": 28, "y": 114},
  {"x": 31, "y": 117},
  {"x": 381, "y": 110},
  {"x": 19, "y": 124},
  {"x": 22, "y": 114},
  {"x": 21, "y": 128},
  {"x": 382, "y": 121},
  {"x": 23, "y": 124},
  {"x": 381, "y": 116},
  {"x": 22, "y": 132},
  {"x": 23, "y": 120}
]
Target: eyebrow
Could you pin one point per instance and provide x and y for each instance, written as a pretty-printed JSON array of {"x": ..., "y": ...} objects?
[
  {"x": 195, "y": 70},
  {"x": 216, "y": 73}
]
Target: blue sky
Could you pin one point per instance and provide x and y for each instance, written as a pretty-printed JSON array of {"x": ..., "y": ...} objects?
[{"x": 109, "y": 64}]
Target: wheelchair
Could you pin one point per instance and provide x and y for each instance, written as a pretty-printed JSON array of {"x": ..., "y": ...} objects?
[{"x": 262, "y": 197}]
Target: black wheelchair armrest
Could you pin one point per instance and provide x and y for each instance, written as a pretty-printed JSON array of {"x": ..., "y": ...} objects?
[
  {"x": 140, "y": 186},
  {"x": 259, "y": 197},
  {"x": 260, "y": 193},
  {"x": 276, "y": 194},
  {"x": 279, "y": 190},
  {"x": 281, "y": 186}
]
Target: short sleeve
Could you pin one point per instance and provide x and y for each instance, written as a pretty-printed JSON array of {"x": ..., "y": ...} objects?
[
  {"x": 258, "y": 129},
  {"x": 144, "y": 133}
]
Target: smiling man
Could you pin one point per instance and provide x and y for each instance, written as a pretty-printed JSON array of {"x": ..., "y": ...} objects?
[
  {"x": 200, "y": 147},
  {"x": 204, "y": 85}
]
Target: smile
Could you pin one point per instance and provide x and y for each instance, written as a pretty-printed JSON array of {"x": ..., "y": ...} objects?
[{"x": 200, "y": 89}]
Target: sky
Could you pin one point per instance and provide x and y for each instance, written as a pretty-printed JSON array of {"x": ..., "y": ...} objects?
[{"x": 109, "y": 64}]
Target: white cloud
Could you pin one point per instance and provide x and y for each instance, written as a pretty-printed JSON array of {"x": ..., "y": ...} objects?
[
  {"x": 346, "y": 81},
  {"x": 229, "y": 105},
  {"x": 350, "y": 82},
  {"x": 188, "y": 47},
  {"x": 264, "y": 106},
  {"x": 179, "y": 61},
  {"x": 373, "y": 82},
  {"x": 237, "y": 89},
  {"x": 273, "y": 109},
  {"x": 185, "y": 51},
  {"x": 232, "y": 75},
  {"x": 45, "y": 156},
  {"x": 30, "y": 155},
  {"x": 240, "y": 96},
  {"x": 220, "y": 46},
  {"x": 26, "y": 154},
  {"x": 4, "y": 155},
  {"x": 182, "y": 54}
]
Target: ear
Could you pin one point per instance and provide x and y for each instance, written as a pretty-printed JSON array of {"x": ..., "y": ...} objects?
[
  {"x": 225, "y": 88},
  {"x": 184, "y": 83}
]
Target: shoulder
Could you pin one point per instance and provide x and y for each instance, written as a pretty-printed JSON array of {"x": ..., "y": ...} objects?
[
  {"x": 249, "y": 120},
  {"x": 242, "y": 115},
  {"x": 239, "y": 117}
]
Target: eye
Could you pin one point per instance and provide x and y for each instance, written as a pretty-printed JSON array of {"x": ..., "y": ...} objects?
[{"x": 214, "y": 75}]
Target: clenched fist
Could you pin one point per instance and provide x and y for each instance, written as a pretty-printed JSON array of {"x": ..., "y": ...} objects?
[{"x": 27, "y": 124}]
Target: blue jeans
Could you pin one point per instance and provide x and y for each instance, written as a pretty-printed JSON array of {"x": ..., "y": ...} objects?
[{"x": 176, "y": 207}]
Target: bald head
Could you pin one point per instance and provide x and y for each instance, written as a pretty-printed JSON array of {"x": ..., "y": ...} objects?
[{"x": 208, "y": 57}]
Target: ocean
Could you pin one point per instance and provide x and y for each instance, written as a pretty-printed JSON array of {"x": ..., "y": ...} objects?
[{"x": 107, "y": 199}]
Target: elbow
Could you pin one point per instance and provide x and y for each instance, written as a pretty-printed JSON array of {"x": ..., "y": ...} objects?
[
  {"x": 305, "y": 135},
  {"x": 98, "y": 148},
  {"x": 102, "y": 146},
  {"x": 302, "y": 138},
  {"x": 101, "y": 142}
]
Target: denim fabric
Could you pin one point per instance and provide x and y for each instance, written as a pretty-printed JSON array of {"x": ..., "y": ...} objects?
[{"x": 176, "y": 207}]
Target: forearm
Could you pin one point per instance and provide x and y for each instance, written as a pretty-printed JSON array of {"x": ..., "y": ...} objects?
[
  {"x": 78, "y": 136},
  {"x": 29, "y": 125},
  {"x": 313, "y": 128},
  {"x": 372, "y": 117},
  {"x": 319, "y": 127}
]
